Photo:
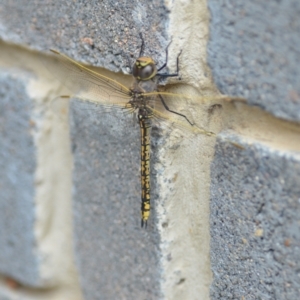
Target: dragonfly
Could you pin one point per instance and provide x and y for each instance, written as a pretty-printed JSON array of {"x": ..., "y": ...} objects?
[{"x": 144, "y": 98}]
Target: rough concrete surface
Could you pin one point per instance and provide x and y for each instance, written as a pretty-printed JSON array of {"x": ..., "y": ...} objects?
[
  {"x": 254, "y": 194},
  {"x": 254, "y": 53},
  {"x": 102, "y": 33},
  {"x": 255, "y": 209},
  {"x": 117, "y": 259},
  {"x": 17, "y": 209}
]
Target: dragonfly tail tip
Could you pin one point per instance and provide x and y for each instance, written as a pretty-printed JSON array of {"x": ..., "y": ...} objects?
[{"x": 143, "y": 223}]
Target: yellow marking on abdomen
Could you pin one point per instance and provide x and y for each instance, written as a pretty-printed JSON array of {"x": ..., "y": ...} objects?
[{"x": 145, "y": 170}]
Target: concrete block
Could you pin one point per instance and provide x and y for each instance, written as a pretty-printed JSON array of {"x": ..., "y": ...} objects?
[
  {"x": 102, "y": 33},
  {"x": 253, "y": 53},
  {"x": 255, "y": 208},
  {"x": 116, "y": 258},
  {"x": 17, "y": 208}
]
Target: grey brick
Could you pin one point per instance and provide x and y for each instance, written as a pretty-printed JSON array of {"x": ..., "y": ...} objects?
[
  {"x": 255, "y": 209},
  {"x": 254, "y": 53},
  {"x": 93, "y": 31},
  {"x": 17, "y": 166},
  {"x": 107, "y": 208}
]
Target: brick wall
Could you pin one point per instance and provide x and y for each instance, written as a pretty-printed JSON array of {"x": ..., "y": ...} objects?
[{"x": 225, "y": 216}]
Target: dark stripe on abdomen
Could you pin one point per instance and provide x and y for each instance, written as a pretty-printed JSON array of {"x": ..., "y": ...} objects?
[{"x": 145, "y": 127}]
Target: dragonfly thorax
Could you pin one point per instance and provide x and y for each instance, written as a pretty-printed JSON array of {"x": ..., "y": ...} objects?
[
  {"x": 144, "y": 115},
  {"x": 144, "y": 68}
]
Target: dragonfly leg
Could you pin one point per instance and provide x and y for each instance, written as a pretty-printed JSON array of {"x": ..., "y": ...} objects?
[
  {"x": 174, "y": 112},
  {"x": 166, "y": 61},
  {"x": 165, "y": 64},
  {"x": 200, "y": 130},
  {"x": 142, "y": 46}
]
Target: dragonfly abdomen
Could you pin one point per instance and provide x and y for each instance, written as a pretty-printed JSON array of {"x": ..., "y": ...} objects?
[{"x": 145, "y": 128}]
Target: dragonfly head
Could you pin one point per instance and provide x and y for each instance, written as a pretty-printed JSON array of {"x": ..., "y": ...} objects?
[{"x": 144, "y": 68}]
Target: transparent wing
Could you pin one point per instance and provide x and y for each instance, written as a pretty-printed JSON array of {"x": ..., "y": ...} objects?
[
  {"x": 190, "y": 113},
  {"x": 172, "y": 109},
  {"x": 88, "y": 85}
]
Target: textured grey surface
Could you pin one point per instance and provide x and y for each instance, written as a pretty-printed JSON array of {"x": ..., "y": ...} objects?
[
  {"x": 254, "y": 53},
  {"x": 5, "y": 297},
  {"x": 17, "y": 167},
  {"x": 255, "y": 217},
  {"x": 116, "y": 258},
  {"x": 103, "y": 33}
]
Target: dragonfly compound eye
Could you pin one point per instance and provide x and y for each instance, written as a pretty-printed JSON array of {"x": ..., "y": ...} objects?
[
  {"x": 144, "y": 68},
  {"x": 147, "y": 72}
]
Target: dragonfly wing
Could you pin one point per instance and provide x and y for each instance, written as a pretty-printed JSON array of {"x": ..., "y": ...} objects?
[
  {"x": 87, "y": 85},
  {"x": 183, "y": 111},
  {"x": 183, "y": 122}
]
